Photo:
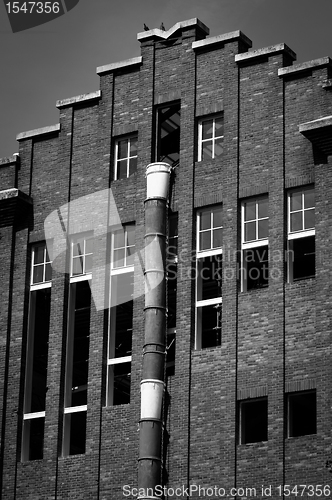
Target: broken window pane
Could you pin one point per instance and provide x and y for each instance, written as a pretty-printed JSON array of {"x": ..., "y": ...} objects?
[{"x": 168, "y": 134}]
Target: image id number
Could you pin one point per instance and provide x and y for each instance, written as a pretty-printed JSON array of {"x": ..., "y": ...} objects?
[{"x": 33, "y": 7}]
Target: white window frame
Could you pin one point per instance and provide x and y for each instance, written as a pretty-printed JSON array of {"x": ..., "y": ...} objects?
[
  {"x": 294, "y": 235},
  {"x": 211, "y": 139},
  {"x": 28, "y": 416},
  {"x": 84, "y": 275},
  {"x": 302, "y": 233},
  {"x": 127, "y": 138},
  {"x": 112, "y": 361},
  {"x": 200, "y": 256},
  {"x": 257, "y": 242},
  {"x": 44, "y": 283}
]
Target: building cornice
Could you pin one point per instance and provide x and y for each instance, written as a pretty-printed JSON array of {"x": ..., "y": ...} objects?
[
  {"x": 309, "y": 65},
  {"x": 128, "y": 63},
  {"x": 254, "y": 55},
  {"x": 164, "y": 35},
  {"x": 92, "y": 96},
  {"x": 221, "y": 39},
  {"x": 51, "y": 129}
]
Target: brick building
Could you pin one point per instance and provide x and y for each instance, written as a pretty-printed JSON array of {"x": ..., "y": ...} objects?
[{"x": 248, "y": 393}]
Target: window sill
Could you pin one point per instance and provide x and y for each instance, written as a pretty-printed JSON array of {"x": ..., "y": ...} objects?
[
  {"x": 304, "y": 436},
  {"x": 257, "y": 444}
]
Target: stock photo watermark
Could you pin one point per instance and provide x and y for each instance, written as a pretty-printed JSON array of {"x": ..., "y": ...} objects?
[{"x": 26, "y": 15}]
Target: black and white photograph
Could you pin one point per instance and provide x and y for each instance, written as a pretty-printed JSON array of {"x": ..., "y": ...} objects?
[{"x": 166, "y": 250}]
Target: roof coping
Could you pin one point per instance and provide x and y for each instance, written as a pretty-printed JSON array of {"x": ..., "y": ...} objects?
[
  {"x": 14, "y": 193},
  {"x": 227, "y": 37},
  {"x": 38, "y": 131},
  {"x": 265, "y": 51},
  {"x": 315, "y": 124},
  {"x": 156, "y": 32},
  {"x": 118, "y": 65},
  {"x": 9, "y": 159},
  {"x": 79, "y": 98},
  {"x": 297, "y": 68}
]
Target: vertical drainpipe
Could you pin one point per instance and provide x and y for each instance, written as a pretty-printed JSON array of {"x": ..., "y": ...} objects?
[{"x": 154, "y": 350}]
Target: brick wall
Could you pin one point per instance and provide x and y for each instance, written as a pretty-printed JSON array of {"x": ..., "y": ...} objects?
[{"x": 271, "y": 338}]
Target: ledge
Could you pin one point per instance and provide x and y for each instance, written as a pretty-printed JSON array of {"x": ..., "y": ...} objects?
[
  {"x": 220, "y": 39},
  {"x": 298, "y": 68},
  {"x": 92, "y": 96},
  {"x": 164, "y": 35},
  {"x": 118, "y": 65},
  {"x": 319, "y": 132},
  {"x": 38, "y": 131},
  {"x": 266, "y": 51},
  {"x": 15, "y": 193},
  {"x": 14, "y": 206},
  {"x": 9, "y": 160}
]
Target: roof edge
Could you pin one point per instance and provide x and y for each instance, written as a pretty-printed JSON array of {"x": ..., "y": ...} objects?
[
  {"x": 265, "y": 51},
  {"x": 156, "y": 32},
  {"x": 326, "y": 121},
  {"x": 227, "y": 37},
  {"x": 118, "y": 65},
  {"x": 297, "y": 68},
  {"x": 91, "y": 96},
  {"x": 38, "y": 131},
  {"x": 8, "y": 160}
]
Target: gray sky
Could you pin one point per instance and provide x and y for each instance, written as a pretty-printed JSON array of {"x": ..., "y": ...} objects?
[{"x": 59, "y": 59}]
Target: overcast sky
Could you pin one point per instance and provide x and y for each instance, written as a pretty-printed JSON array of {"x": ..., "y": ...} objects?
[{"x": 59, "y": 59}]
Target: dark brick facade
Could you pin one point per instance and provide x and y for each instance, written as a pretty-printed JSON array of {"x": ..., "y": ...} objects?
[{"x": 274, "y": 340}]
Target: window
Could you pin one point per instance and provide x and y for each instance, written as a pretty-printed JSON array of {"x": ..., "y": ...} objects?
[
  {"x": 172, "y": 259},
  {"x": 210, "y": 138},
  {"x": 77, "y": 353},
  {"x": 41, "y": 265},
  {"x": 301, "y": 234},
  {"x": 125, "y": 157},
  {"x": 255, "y": 229},
  {"x": 37, "y": 355},
  {"x": 253, "y": 420},
  {"x": 168, "y": 134},
  {"x": 301, "y": 413},
  {"x": 120, "y": 324},
  {"x": 81, "y": 256},
  {"x": 209, "y": 278}
]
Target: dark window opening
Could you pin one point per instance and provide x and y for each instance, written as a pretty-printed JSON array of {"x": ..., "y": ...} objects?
[
  {"x": 33, "y": 435},
  {"x": 41, "y": 305},
  {"x": 120, "y": 338},
  {"x": 76, "y": 423},
  {"x": 171, "y": 295},
  {"x": 170, "y": 354},
  {"x": 302, "y": 257},
  {"x": 209, "y": 277},
  {"x": 168, "y": 134},
  {"x": 301, "y": 413},
  {"x": 172, "y": 248},
  {"x": 253, "y": 421},
  {"x": 256, "y": 267},
  {"x": 121, "y": 374},
  {"x": 123, "y": 329},
  {"x": 210, "y": 319},
  {"x": 81, "y": 344}
]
